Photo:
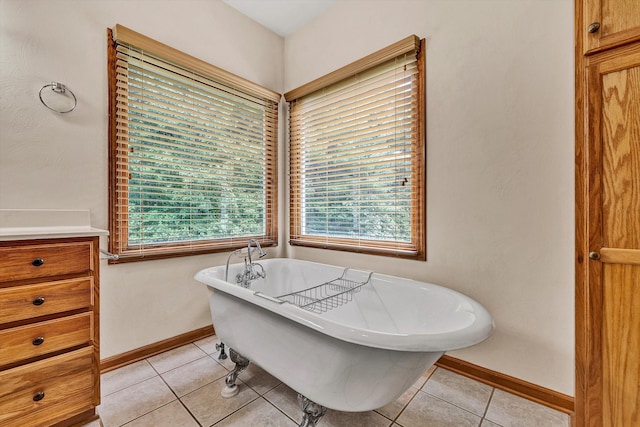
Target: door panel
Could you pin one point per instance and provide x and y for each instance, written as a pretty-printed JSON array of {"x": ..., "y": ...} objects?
[
  {"x": 621, "y": 158},
  {"x": 621, "y": 345}
]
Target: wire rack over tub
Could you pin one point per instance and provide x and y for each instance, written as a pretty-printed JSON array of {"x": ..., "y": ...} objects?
[{"x": 326, "y": 296}]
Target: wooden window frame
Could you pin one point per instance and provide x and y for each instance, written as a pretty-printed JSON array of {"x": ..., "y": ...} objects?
[
  {"x": 118, "y": 178},
  {"x": 418, "y": 222}
]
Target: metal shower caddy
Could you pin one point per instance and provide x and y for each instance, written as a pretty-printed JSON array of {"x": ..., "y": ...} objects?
[{"x": 326, "y": 296}]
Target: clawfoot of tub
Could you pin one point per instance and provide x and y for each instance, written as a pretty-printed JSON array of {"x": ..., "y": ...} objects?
[
  {"x": 312, "y": 412},
  {"x": 241, "y": 362}
]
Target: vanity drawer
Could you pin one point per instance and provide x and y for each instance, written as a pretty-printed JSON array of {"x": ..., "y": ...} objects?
[
  {"x": 45, "y": 392},
  {"x": 44, "y": 260},
  {"x": 28, "y": 301},
  {"x": 25, "y": 342}
]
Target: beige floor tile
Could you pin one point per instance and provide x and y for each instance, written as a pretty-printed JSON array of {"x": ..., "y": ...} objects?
[
  {"x": 286, "y": 399},
  {"x": 392, "y": 410},
  {"x": 428, "y": 411},
  {"x": 170, "y": 415},
  {"x": 126, "y": 376},
  {"x": 353, "y": 419},
  {"x": 257, "y": 413},
  {"x": 177, "y": 357},
  {"x": 508, "y": 410},
  {"x": 126, "y": 405},
  {"x": 258, "y": 379},
  {"x": 487, "y": 423},
  {"x": 461, "y": 391},
  {"x": 193, "y": 375},
  {"x": 94, "y": 423},
  {"x": 208, "y": 344},
  {"x": 420, "y": 382},
  {"x": 209, "y": 407}
]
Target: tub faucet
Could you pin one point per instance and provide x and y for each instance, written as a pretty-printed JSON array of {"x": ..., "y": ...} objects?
[{"x": 244, "y": 279}]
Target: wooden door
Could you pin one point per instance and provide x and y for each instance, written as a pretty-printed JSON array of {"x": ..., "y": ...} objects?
[
  {"x": 608, "y": 243},
  {"x": 609, "y": 23}
]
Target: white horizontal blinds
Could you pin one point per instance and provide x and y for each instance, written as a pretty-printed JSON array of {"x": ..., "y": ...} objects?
[
  {"x": 195, "y": 159},
  {"x": 356, "y": 159}
]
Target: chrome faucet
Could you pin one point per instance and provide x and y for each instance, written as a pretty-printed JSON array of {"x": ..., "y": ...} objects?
[
  {"x": 244, "y": 279},
  {"x": 261, "y": 253}
]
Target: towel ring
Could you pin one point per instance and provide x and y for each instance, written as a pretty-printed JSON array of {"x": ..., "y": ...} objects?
[{"x": 58, "y": 88}]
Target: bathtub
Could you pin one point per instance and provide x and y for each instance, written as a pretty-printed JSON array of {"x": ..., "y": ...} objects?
[{"x": 359, "y": 354}]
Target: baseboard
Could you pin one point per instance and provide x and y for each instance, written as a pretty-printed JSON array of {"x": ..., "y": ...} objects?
[
  {"x": 119, "y": 360},
  {"x": 544, "y": 396}
]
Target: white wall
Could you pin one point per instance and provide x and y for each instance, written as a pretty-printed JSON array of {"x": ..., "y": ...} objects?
[
  {"x": 54, "y": 161},
  {"x": 499, "y": 161}
]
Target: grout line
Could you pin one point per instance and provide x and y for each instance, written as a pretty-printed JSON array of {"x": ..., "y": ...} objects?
[
  {"x": 226, "y": 416},
  {"x": 181, "y": 365},
  {"x": 282, "y": 393},
  {"x": 179, "y": 399},
  {"x": 460, "y": 407},
  {"x": 280, "y": 410},
  {"x": 237, "y": 410},
  {"x": 452, "y": 404},
  {"x": 245, "y": 371},
  {"x": 130, "y": 385},
  {"x": 147, "y": 413},
  {"x": 395, "y": 420},
  {"x": 493, "y": 390},
  {"x": 382, "y": 415},
  {"x": 261, "y": 395}
]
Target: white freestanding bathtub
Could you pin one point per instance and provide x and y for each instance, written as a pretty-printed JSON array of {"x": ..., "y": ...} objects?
[{"x": 358, "y": 349}]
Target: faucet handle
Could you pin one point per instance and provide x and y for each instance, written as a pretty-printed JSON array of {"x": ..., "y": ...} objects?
[{"x": 261, "y": 273}]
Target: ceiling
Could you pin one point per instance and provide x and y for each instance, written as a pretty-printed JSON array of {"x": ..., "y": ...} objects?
[{"x": 283, "y": 17}]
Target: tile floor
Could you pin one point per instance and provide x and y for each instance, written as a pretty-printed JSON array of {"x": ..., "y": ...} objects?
[{"x": 181, "y": 387}]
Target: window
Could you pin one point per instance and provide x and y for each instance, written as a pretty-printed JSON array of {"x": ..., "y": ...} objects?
[
  {"x": 357, "y": 156},
  {"x": 192, "y": 153}
]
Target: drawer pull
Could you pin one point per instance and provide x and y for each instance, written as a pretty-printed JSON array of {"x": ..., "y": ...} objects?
[
  {"x": 38, "y": 396},
  {"x": 37, "y": 262},
  {"x": 38, "y": 341},
  {"x": 38, "y": 301}
]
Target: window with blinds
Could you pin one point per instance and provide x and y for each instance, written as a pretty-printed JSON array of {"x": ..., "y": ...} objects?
[
  {"x": 192, "y": 153},
  {"x": 357, "y": 152}
]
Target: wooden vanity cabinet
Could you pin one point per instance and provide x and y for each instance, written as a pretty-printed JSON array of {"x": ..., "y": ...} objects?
[
  {"x": 49, "y": 332},
  {"x": 609, "y": 23}
]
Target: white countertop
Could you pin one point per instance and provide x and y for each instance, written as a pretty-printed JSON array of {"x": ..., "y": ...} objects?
[{"x": 31, "y": 224}]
